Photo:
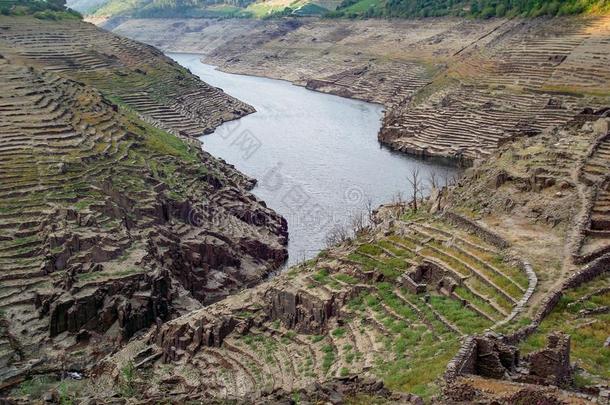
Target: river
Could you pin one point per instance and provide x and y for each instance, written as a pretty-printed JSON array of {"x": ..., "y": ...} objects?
[{"x": 316, "y": 156}]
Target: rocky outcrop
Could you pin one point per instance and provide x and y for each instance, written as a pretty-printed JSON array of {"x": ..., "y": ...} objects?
[
  {"x": 177, "y": 339},
  {"x": 301, "y": 311},
  {"x": 133, "y": 303},
  {"x": 296, "y": 309},
  {"x": 110, "y": 225}
]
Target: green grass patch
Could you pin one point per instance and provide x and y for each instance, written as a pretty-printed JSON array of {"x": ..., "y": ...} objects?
[
  {"x": 346, "y": 278},
  {"x": 339, "y": 332},
  {"x": 466, "y": 320},
  {"x": 588, "y": 333},
  {"x": 329, "y": 358}
]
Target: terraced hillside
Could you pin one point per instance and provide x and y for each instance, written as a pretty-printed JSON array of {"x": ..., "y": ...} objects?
[
  {"x": 115, "y": 233},
  {"x": 583, "y": 312},
  {"x": 163, "y": 93},
  {"x": 452, "y": 88},
  {"x": 394, "y": 303},
  {"x": 498, "y": 252},
  {"x": 110, "y": 224}
]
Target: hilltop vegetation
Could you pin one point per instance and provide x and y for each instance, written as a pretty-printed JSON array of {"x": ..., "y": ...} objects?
[
  {"x": 203, "y": 8},
  {"x": 43, "y": 9},
  {"x": 335, "y": 9},
  {"x": 466, "y": 8}
]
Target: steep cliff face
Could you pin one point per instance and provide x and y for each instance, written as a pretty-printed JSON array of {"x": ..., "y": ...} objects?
[
  {"x": 111, "y": 224},
  {"x": 452, "y": 88}
]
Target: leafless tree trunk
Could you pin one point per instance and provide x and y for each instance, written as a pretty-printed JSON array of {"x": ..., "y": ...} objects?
[
  {"x": 338, "y": 234},
  {"x": 433, "y": 180},
  {"x": 415, "y": 182},
  {"x": 369, "y": 209},
  {"x": 358, "y": 223},
  {"x": 398, "y": 198},
  {"x": 446, "y": 178}
]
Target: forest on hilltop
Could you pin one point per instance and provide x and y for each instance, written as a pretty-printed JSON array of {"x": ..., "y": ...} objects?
[
  {"x": 43, "y": 9},
  {"x": 467, "y": 8},
  {"x": 344, "y": 9}
]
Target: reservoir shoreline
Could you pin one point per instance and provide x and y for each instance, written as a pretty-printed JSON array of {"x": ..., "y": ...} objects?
[{"x": 316, "y": 156}]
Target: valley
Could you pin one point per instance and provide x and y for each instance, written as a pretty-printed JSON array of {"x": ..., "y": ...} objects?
[
  {"x": 102, "y": 212},
  {"x": 142, "y": 260},
  {"x": 452, "y": 88},
  {"x": 316, "y": 156}
]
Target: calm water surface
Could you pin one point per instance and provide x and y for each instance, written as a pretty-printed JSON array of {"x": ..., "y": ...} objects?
[{"x": 316, "y": 156}]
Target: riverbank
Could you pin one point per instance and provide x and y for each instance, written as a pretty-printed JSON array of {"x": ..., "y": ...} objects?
[
  {"x": 452, "y": 88},
  {"x": 316, "y": 156}
]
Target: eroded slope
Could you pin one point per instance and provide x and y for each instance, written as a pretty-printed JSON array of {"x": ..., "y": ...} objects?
[
  {"x": 109, "y": 224},
  {"x": 496, "y": 252},
  {"x": 453, "y": 88}
]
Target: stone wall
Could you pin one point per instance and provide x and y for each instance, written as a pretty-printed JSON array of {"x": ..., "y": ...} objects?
[
  {"x": 487, "y": 356},
  {"x": 464, "y": 361},
  {"x": 587, "y": 273},
  {"x": 471, "y": 226}
]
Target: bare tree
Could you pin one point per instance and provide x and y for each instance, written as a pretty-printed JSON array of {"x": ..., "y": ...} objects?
[
  {"x": 446, "y": 178},
  {"x": 451, "y": 179},
  {"x": 358, "y": 223},
  {"x": 369, "y": 209},
  {"x": 433, "y": 180},
  {"x": 338, "y": 234},
  {"x": 398, "y": 198},
  {"x": 416, "y": 184},
  {"x": 456, "y": 177}
]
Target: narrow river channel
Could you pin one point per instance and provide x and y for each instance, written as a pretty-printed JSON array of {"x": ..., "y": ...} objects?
[{"x": 316, "y": 156}]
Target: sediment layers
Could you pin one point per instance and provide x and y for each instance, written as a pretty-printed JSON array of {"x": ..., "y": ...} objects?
[
  {"x": 452, "y": 88},
  {"x": 108, "y": 223}
]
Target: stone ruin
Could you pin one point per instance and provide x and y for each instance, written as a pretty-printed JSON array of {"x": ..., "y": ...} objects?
[
  {"x": 488, "y": 356},
  {"x": 552, "y": 364},
  {"x": 426, "y": 274}
]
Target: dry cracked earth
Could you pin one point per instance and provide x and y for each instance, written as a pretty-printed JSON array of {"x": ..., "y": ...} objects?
[{"x": 122, "y": 241}]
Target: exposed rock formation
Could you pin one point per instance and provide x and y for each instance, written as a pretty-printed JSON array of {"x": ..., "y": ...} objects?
[
  {"x": 109, "y": 224},
  {"x": 430, "y": 282},
  {"x": 329, "y": 318}
]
